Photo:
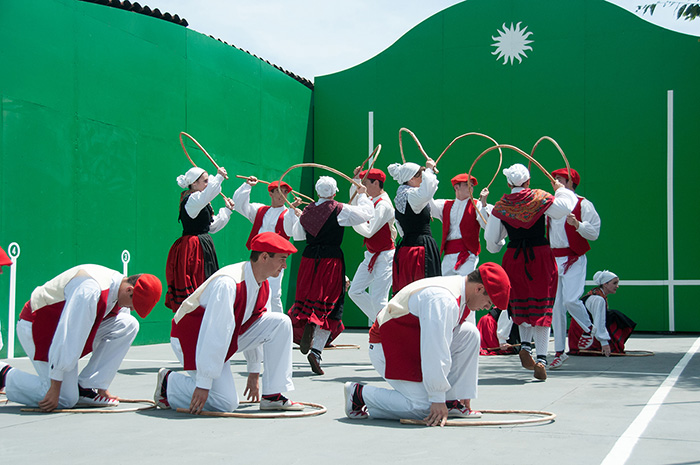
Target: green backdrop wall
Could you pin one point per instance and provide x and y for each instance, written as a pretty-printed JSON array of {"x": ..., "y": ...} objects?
[
  {"x": 595, "y": 78},
  {"x": 92, "y": 101}
]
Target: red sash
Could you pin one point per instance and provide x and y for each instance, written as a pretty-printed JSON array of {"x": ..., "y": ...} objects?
[
  {"x": 257, "y": 223},
  {"x": 577, "y": 244},
  {"x": 187, "y": 330},
  {"x": 380, "y": 242},
  {"x": 469, "y": 229}
]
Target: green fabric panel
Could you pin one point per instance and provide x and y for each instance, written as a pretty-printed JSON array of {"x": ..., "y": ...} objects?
[{"x": 595, "y": 80}]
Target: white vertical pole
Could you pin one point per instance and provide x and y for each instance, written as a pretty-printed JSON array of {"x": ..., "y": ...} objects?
[
  {"x": 669, "y": 209},
  {"x": 14, "y": 251},
  {"x": 125, "y": 262},
  {"x": 370, "y": 126}
]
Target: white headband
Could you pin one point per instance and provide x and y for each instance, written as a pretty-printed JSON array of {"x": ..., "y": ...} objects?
[
  {"x": 602, "y": 277},
  {"x": 326, "y": 186},
  {"x": 403, "y": 173},
  {"x": 516, "y": 175},
  {"x": 186, "y": 180}
]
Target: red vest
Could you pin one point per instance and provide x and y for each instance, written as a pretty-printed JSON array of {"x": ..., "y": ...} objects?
[
  {"x": 45, "y": 321},
  {"x": 577, "y": 243},
  {"x": 257, "y": 223},
  {"x": 468, "y": 227},
  {"x": 380, "y": 242},
  {"x": 187, "y": 329}
]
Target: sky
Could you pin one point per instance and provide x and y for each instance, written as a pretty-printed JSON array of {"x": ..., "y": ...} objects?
[{"x": 318, "y": 37}]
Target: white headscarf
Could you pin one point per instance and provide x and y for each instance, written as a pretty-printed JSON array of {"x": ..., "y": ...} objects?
[
  {"x": 403, "y": 173},
  {"x": 326, "y": 186},
  {"x": 516, "y": 175},
  {"x": 186, "y": 180},
  {"x": 602, "y": 277}
]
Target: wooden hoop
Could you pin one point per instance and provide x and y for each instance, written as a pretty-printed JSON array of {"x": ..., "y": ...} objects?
[
  {"x": 151, "y": 405},
  {"x": 377, "y": 150},
  {"x": 341, "y": 346},
  {"x": 566, "y": 160},
  {"x": 512, "y": 147},
  {"x": 629, "y": 353},
  {"x": 420, "y": 147},
  {"x": 318, "y": 165},
  {"x": 546, "y": 416},
  {"x": 290, "y": 414},
  {"x": 498, "y": 170},
  {"x": 239, "y": 176},
  {"x": 202, "y": 149}
]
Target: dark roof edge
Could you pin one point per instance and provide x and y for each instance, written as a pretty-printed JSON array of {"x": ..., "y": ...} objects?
[{"x": 145, "y": 10}]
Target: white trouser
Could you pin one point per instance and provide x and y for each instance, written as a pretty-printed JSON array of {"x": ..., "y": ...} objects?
[
  {"x": 448, "y": 269},
  {"x": 276, "y": 293},
  {"x": 112, "y": 341},
  {"x": 378, "y": 282},
  {"x": 274, "y": 332},
  {"x": 569, "y": 291},
  {"x": 409, "y": 399}
]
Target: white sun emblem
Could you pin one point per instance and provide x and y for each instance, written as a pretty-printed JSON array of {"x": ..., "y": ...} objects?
[{"x": 511, "y": 43}]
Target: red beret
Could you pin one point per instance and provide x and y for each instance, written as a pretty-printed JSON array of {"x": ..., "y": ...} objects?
[
  {"x": 564, "y": 174},
  {"x": 464, "y": 177},
  {"x": 273, "y": 186},
  {"x": 147, "y": 291},
  {"x": 271, "y": 243},
  {"x": 496, "y": 283},
  {"x": 374, "y": 174}
]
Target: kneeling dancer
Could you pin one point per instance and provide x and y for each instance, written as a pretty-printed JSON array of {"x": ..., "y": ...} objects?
[
  {"x": 423, "y": 346},
  {"x": 225, "y": 315},
  {"x": 84, "y": 309}
]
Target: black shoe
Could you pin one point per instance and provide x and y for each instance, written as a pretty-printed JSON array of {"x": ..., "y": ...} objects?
[
  {"x": 315, "y": 362},
  {"x": 307, "y": 338}
]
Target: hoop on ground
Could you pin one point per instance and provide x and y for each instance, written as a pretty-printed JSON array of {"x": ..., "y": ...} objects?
[
  {"x": 320, "y": 410},
  {"x": 420, "y": 147},
  {"x": 151, "y": 405},
  {"x": 627, "y": 353},
  {"x": 341, "y": 346},
  {"x": 566, "y": 160},
  {"x": 544, "y": 417}
]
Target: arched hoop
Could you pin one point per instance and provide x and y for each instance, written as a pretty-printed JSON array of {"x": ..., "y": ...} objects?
[
  {"x": 151, "y": 405},
  {"x": 498, "y": 170},
  {"x": 566, "y": 160},
  {"x": 420, "y": 147},
  {"x": 512, "y": 147},
  {"x": 375, "y": 153},
  {"x": 544, "y": 417},
  {"x": 200, "y": 148},
  {"x": 628, "y": 353},
  {"x": 239, "y": 176},
  {"x": 320, "y": 410},
  {"x": 318, "y": 165}
]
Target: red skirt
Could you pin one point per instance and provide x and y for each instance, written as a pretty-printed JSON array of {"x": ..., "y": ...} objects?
[
  {"x": 191, "y": 260},
  {"x": 619, "y": 333},
  {"x": 488, "y": 326},
  {"x": 319, "y": 296},
  {"x": 531, "y": 300}
]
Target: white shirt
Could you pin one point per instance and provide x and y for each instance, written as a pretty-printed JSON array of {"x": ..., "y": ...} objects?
[
  {"x": 495, "y": 233},
  {"x": 417, "y": 197},
  {"x": 457, "y": 213},
  {"x": 383, "y": 214},
  {"x": 588, "y": 228},
  {"x": 198, "y": 200},
  {"x": 349, "y": 215},
  {"x": 438, "y": 313},
  {"x": 78, "y": 316},
  {"x": 269, "y": 223},
  {"x": 218, "y": 325}
]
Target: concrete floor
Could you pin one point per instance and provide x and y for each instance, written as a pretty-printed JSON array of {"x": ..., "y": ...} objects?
[{"x": 596, "y": 399}]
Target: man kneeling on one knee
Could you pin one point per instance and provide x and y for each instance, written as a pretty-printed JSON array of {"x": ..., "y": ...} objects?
[
  {"x": 228, "y": 314},
  {"x": 423, "y": 346}
]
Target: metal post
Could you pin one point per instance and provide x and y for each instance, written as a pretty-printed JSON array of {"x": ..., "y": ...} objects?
[{"x": 14, "y": 252}]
